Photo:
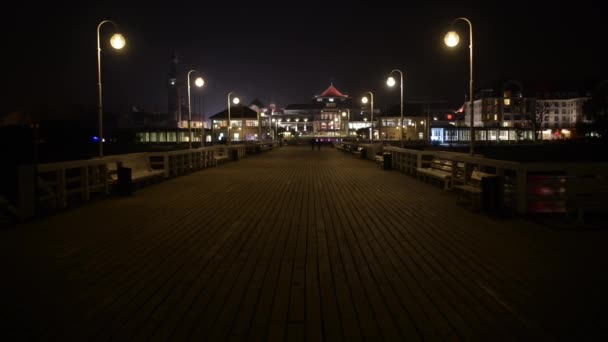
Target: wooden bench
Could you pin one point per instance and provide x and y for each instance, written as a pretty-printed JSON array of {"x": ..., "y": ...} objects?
[
  {"x": 471, "y": 189},
  {"x": 141, "y": 172},
  {"x": 141, "y": 169},
  {"x": 345, "y": 147},
  {"x": 220, "y": 155},
  {"x": 439, "y": 169},
  {"x": 588, "y": 196},
  {"x": 379, "y": 159}
]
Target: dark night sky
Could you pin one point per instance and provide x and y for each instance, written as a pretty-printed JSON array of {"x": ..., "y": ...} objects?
[{"x": 286, "y": 55}]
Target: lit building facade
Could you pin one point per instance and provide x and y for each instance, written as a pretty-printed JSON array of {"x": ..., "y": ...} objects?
[{"x": 331, "y": 114}]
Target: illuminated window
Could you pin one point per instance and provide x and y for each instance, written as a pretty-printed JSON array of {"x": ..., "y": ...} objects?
[
  {"x": 495, "y": 117},
  {"x": 507, "y": 102}
]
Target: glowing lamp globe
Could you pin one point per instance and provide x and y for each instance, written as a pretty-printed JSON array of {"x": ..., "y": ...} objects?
[
  {"x": 199, "y": 82},
  {"x": 364, "y": 99},
  {"x": 236, "y": 100},
  {"x": 451, "y": 39},
  {"x": 118, "y": 41},
  {"x": 391, "y": 81}
]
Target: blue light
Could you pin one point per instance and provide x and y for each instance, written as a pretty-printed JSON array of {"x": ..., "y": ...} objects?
[{"x": 95, "y": 138}]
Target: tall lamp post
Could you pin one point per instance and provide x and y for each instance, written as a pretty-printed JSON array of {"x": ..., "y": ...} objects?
[
  {"x": 391, "y": 83},
  {"x": 451, "y": 39},
  {"x": 364, "y": 99},
  {"x": 199, "y": 83},
  {"x": 260, "y": 114},
  {"x": 348, "y": 121},
  {"x": 235, "y": 101},
  {"x": 118, "y": 42}
]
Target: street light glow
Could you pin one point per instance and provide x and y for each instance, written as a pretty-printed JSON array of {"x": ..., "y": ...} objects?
[
  {"x": 118, "y": 41},
  {"x": 451, "y": 39},
  {"x": 391, "y": 81},
  {"x": 199, "y": 82},
  {"x": 236, "y": 100},
  {"x": 343, "y": 113},
  {"x": 364, "y": 99}
]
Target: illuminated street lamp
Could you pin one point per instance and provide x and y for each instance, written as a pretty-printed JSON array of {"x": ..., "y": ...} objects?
[
  {"x": 235, "y": 101},
  {"x": 365, "y": 100},
  {"x": 305, "y": 121},
  {"x": 199, "y": 83},
  {"x": 347, "y": 115},
  {"x": 451, "y": 39},
  {"x": 391, "y": 83},
  {"x": 260, "y": 113},
  {"x": 118, "y": 42}
]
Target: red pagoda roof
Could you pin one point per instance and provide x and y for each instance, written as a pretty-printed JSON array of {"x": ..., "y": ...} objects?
[{"x": 331, "y": 92}]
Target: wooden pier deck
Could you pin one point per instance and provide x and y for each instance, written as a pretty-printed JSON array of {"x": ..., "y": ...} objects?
[{"x": 298, "y": 245}]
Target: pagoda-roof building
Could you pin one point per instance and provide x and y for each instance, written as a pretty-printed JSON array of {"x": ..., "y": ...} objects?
[
  {"x": 331, "y": 91},
  {"x": 331, "y": 94}
]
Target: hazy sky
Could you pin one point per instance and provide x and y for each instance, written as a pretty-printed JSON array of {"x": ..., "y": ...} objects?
[{"x": 286, "y": 55}]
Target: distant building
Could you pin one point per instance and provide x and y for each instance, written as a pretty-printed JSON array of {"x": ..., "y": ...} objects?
[
  {"x": 512, "y": 109},
  {"x": 247, "y": 123},
  {"x": 330, "y": 114},
  {"x": 174, "y": 100}
]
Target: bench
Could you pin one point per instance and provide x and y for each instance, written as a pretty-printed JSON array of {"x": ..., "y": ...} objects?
[
  {"x": 438, "y": 169},
  {"x": 220, "y": 155},
  {"x": 472, "y": 188},
  {"x": 589, "y": 195},
  {"x": 141, "y": 170},
  {"x": 379, "y": 159},
  {"x": 345, "y": 147}
]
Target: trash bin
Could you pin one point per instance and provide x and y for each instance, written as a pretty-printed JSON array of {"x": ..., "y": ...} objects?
[
  {"x": 234, "y": 154},
  {"x": 490, "y": 194},
  {"x": 124, "y": 185},
  {"x": 363, "y": 153},
  {"x": 388, "y": 161}
]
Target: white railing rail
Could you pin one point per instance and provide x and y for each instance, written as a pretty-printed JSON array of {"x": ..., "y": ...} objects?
[
  {"x": 517, "y": 189},
  {"x": 55, "y": 185}
]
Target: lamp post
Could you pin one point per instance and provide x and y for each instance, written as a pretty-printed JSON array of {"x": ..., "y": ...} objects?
[
  {"x": 235, "y": 101},
  {"x": 118, "y": 42},
  {"x": 305, "y": 121},
  {"x": 451, "y": 39},
  {"x": 348, "y": 121},
  {"x": 364, "y": 99},
  {"x": 260, "y": 114},
  {"x": 199, "y": 83},
  {"x": 391, "y": 82}
]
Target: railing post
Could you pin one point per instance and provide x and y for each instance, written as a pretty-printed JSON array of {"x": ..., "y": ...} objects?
[
  {"x": 84, "y": 182},
  {"x": 27, "y": 176},
  {"x": 62, "y": 200},
  {"x": 166, "y": 164},
  {"x": 522, "y": 185}
]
